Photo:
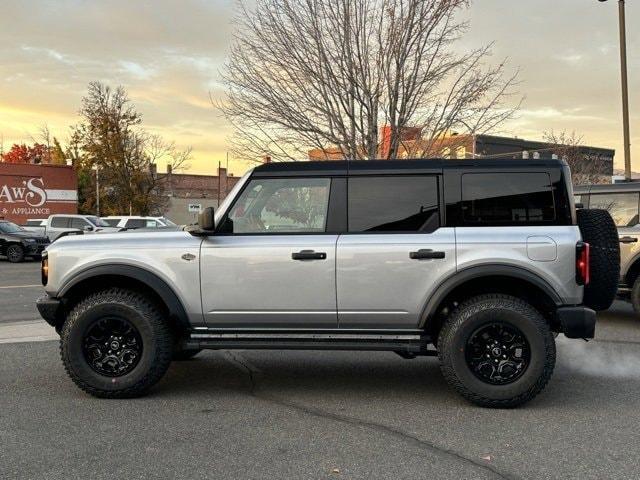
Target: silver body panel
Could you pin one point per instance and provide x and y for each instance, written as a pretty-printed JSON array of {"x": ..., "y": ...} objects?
[
  {"x": 159, "y": 253},
  {"x": 379, "y": 286},
  {"x": 519, "y": 246},
  {"x": 252, "y": 280}
]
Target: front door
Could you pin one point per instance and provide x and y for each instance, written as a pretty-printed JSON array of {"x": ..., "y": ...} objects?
[
  {"x": 272, "y": 263},
  {"x": 395, "y": 253}
]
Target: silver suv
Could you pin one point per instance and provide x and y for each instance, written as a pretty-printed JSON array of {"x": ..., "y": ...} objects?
[{"x": 478, "y": 263}]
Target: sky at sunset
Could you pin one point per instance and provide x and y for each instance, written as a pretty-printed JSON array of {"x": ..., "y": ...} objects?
[{"x": 168, "y": 55}]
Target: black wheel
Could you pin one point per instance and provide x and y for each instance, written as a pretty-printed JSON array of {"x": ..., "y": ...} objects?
[
  {"x": 599, "y": 231},
  {"x": 185, "y": 354},
  {"x": 116, "y": 344},
  {"x": 497, "y": 351},
  {"x": 15, "y": 253}
]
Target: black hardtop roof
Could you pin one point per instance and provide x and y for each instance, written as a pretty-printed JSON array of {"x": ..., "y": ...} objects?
[
  {"x": 342, "y": 167},
  {"x": 608, "y": 188}
]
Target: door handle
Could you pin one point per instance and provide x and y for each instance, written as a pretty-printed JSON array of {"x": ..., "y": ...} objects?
[
  {"x": 628, "y": 240},
  {"x": 308, "y": 255},
  {"x": 425, "y": 254}
]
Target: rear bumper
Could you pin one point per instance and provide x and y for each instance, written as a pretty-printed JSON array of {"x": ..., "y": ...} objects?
[
  {"x": 577, "y": 322},
  {"x": 50, "y": 309}
]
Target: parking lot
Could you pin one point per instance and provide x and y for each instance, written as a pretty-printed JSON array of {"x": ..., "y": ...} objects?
[{"x": 315, "y": 414}]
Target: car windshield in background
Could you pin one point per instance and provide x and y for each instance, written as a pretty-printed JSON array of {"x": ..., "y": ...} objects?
[
  {"x": 98, "y": 222},
  {"x": 167, "y": 222},
  {"x": 8, "y": 227}
]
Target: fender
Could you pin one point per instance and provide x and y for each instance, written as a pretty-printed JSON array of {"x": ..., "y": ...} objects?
[
  {"x": 472, "y": 273},
  {"x": 155, "y": 283}
]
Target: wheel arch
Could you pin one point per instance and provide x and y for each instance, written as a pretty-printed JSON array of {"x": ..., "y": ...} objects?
[
  {"x": 125, "y": 276},
  {"x": 633, "y": 271},
  {"x": 472, "y": 281}
]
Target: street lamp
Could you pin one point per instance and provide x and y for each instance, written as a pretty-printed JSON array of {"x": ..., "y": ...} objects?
[
  {"x": 625, "y": 90},
  {"x": 96, "y": 169}
]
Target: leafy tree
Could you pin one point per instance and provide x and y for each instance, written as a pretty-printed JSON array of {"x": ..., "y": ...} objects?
[{"x": 34, "y": 154}]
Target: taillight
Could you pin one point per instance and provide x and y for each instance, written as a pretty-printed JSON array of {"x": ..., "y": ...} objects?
[
  {"x": 45, "y": 269},
  {"x": 582, "y": 263}
]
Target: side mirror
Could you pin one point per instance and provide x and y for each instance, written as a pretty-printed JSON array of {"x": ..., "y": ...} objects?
[
  {"x": 87, "y": 228},
  {"x": 579, "y": 206},
  {"x": 206, "y": 220}
]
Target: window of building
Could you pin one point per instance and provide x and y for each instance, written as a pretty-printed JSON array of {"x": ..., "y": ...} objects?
[
  {"x": 292, "y": 205},
  {"x": 623, "y": 207},
  {"x": 507, "y": 198},
  {"x": 393, "y": 204}
]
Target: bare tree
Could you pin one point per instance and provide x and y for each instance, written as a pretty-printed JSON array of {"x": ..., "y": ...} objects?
[
  {"x": 587, "y": 165},
  {"x": 315, "y": 74}
]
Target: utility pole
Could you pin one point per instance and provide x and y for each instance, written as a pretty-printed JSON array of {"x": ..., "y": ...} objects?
[
  {"x": 625, "y": 89},
  {"x": 97, "y": 169}
]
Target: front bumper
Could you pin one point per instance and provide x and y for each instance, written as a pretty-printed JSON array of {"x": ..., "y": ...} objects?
[
  {"x": 577, "y": 322},
  {"x": 50, "y": 309},
  {"x": 33, "y": 249}
]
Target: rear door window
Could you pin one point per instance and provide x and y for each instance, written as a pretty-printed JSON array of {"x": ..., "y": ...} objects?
[
  {"x": 507, "y": 199},
  {"x": 623, "y": 207},
  {"x": 393, "y": 204},
  {"x": 60, "y": 222}
]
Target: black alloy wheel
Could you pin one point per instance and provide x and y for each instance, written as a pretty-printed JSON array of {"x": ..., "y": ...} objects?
[
  {"x": 112, "y": 346},
  {"x": 498, "y": 353}
]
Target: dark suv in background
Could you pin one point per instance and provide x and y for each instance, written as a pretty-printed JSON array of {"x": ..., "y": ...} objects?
[{"x": 16, "y": 243}]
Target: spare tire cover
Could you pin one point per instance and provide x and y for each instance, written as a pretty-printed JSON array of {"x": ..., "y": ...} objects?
[{"x": 599, "y": 231}]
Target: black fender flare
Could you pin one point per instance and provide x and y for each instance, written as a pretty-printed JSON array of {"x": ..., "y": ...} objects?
[
  {"x": 151, "y": 280},
  {"x": 472, "y": 273}
]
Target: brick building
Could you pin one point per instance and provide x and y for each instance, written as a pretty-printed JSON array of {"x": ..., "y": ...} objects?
[
  {"x": 187, "y": 193},
  {"x": 36, "y": 191}
]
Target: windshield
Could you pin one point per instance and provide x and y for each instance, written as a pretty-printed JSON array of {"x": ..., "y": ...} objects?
[
  {"x": 98, "y": 222},
  {"x": 8, "y": 227},
  {"x": 167, "y": 222}
]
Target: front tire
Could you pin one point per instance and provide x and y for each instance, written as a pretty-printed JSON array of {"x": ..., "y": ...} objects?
[
  {"x": 116, "y": 344},
  {"x": 497, "y": 351},
  {"x": 15, "y": 253}
]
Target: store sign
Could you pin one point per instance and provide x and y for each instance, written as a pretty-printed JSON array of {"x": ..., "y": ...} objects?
[
  {"x": 23, "y": 196},
  {"x": 195, "y": 207}
]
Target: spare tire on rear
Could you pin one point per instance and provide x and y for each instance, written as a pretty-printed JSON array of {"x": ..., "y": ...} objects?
[{"x": 599, "y": 231}]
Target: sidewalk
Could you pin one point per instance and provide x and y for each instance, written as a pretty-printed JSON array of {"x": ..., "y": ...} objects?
[{"x": 31, "y": 331}]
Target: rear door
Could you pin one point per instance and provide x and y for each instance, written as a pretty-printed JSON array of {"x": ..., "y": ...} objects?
[
  {"x": 623, "y": 207},
  {"x": 395, "y": 252}
]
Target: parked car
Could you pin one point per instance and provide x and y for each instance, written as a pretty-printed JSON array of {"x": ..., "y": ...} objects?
[
  {"x": 621, "y": 201},
  {"x": 16, "y": 243},
  {"x": 477, "y": 262},
  {"x": 61, "y": 225},
  {"x": 133, "y": 222}
]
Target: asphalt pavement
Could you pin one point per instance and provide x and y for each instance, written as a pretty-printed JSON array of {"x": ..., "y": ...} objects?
[
  {"x": 20, "y": 286},
  {"x": 298, "y": 415}
]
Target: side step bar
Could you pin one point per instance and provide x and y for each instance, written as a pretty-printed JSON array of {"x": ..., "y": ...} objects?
[{"x": 410, "y": 342}]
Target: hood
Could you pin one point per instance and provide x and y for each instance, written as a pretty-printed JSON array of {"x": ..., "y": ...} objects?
[{"x": 25, "y": 235}]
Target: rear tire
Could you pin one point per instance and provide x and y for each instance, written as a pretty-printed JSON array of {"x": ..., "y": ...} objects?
[
  {"x": 599, "y": 231},
  {"x": 525, "y": 365},
  {"x": 635, "y": 296},
  {"x": 15, "y": 253},
  {"x": 116, "y": 344}
]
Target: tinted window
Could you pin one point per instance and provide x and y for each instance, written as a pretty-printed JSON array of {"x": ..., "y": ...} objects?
[
  {"x": 79, "y": 223},
  {"x": 292, "y": 205},
  {"x": 507, "y": 198},
  {"x": 136, "y": 223},
  {"x": 112, "y": 222},
  {"x": 60, "y": 222},
  {"x": 34, "y": 223},
  {"x": 623, "y": 207},
  {"x": 393, "y": 204}
]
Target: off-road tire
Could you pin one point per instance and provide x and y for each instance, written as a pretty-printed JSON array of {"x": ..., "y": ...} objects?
[
  {"x": 145, "y": 316},
  {"x": 185, "y": 354},
  {"x": 599, "y": 231},
  {"x": 486, "y": 309},
  {"x": 15, "y": 253}
]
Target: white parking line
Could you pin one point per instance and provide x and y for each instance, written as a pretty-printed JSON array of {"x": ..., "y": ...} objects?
[
  {"x": 33, "y": 331},
  {"x": 20, "y": 286}
]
